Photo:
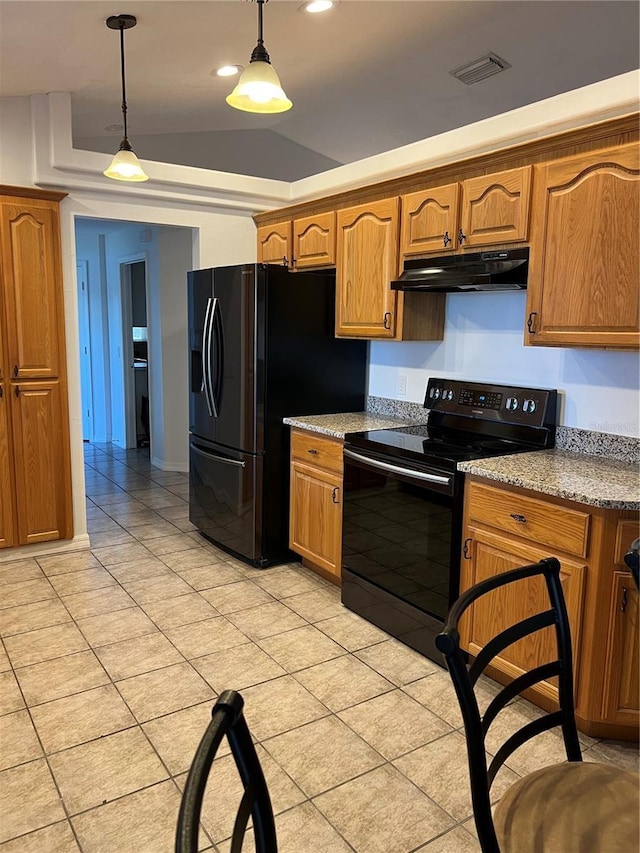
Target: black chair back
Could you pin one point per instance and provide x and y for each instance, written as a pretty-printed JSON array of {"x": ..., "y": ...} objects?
[
  {"x": 227, "y": 719},
  {"x": 466, "y": 677}
]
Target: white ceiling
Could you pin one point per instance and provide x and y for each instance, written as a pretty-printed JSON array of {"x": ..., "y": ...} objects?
[{"x": 367, "y": 77}]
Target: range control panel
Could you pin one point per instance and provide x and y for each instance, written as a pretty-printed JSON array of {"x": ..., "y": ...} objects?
[{"x": 509, "y": 404}]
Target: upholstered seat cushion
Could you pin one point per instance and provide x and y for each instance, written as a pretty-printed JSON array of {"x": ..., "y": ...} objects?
[{"x": 578, "y": 807}]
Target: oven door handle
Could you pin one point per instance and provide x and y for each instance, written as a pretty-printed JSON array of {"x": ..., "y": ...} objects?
[{"x": 395, "y": 469}]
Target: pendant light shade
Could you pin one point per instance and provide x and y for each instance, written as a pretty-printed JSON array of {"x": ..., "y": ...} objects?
[
  {"x": 125, "y": 166},
  {"x": 259, "y": 89}
]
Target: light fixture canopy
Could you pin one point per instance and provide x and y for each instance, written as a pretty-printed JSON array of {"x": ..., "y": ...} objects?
[
  {"x": 258, "y": 89},
  {"x": 125, "y": 166}
]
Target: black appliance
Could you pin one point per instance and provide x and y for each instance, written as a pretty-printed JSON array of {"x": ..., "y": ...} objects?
[
  {"x": 505, "y": 269},
  {"x": 403, "y": 500},
  {"x": 262, "y": 348}
]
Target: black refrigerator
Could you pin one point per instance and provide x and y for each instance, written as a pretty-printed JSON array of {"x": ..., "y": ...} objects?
[{"x": 262, "y": 348}]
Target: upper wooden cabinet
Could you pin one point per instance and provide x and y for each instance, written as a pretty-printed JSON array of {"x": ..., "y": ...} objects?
[
  {"x": 275, "y": 244},
  {"x": 30, "y": 264},
  {"x": 367, "y": 260},
  {"x": 584, "y": 268},
  {"x": 314, "y": 241},
  {"x": 483, "y": 211}
]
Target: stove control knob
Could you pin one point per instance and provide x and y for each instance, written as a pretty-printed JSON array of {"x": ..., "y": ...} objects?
[
  {"x": 512, "y": 403},
  {"x": 448, "y": 395},
  {"x": 434, "y": 393},
  {"x": 529, "y": 406}
]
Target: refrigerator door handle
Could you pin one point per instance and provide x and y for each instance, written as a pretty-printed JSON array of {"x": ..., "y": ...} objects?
[
  {"x": 208, "y": 455},
  {"x": 209, "y": 342},
  {"x": 205, "y": 358},
  {"x": 216, "y": 339}
]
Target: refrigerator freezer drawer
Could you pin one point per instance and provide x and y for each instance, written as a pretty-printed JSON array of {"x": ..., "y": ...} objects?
[{"x": 225, "y": 494}]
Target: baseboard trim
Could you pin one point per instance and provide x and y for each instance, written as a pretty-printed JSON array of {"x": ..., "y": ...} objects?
[
  {"x": 180, "y": 467},
  {"x": 40, "y": 549}
]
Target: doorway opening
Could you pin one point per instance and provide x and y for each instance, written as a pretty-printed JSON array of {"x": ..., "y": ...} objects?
[{"x": 133, "y": 278}]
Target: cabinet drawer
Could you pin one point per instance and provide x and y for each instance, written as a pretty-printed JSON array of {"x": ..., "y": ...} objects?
[
  {"x": 316, "y": 450},
  {"x": 540, "y": 521}
]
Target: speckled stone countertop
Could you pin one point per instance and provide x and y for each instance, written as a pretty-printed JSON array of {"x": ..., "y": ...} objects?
[
  {"x": 339, "y": 425},
  {"x": 593, "y": 480}
]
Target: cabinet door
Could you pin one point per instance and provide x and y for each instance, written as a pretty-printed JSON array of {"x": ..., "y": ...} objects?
[
  {"x": 314, "y": 241},
  {"x": 621, "y": 703},
  {"x": 429, "y": 221},
  {"x": 7, "y": 519},
  {"x": 495, "y": 208},
  {"x": 274, "y": 244},
  {"x": 41, "y": 452},
  {"x": 315, "y": 520},
  {"x": 367, "y": 243},
  {"x": 584, "y": 269},
  {"x": 491, "y": 555},
  {"x": 32, "y": 288}
]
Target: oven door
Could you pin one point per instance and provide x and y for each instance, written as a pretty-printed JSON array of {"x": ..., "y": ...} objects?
[{"x": 400, "y": 544}]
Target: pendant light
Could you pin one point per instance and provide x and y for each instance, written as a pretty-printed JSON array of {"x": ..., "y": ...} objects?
[
  {"x": 125, "y": 166},
  {"x": 259, "y": 89}
]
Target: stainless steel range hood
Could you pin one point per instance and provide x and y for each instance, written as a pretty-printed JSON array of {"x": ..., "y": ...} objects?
[{"x": 500, "y": 270}]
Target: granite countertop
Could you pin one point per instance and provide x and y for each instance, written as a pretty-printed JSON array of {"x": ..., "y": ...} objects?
[
  {"x": 339, "y": 425},
  {"x": 593, "y": 480}
]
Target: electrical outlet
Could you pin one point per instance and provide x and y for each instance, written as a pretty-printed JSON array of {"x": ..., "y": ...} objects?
[{"x": 402, "y": 384}]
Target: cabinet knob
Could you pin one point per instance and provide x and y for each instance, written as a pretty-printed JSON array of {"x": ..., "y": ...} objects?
[
  {"x": 387, "y": 320},
  {"x": 531, "y": 322},
  {"x": 312, "y": 451},
  {"x": 1, "y": 392},
  {"x": 334, "y": 495},
  {"x": 15, "y": 369},
  {"x": 521, "y": 519},
  {"x": 625, "y": 599},
  {"x": 285, "y": 262},
  {"x": 461, "y": 236},
  {"x": 465, "y": 550},
  {"x": 446, "y": 239},
  {"x": 17, "y": 391}
]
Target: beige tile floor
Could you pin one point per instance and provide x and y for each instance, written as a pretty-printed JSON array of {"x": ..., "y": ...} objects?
[{"x": 110, "y": 661}]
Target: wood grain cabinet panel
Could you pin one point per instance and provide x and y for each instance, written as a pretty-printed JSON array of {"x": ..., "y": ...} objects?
[
  {"x": 622, "y": 697},
  {"x": 314, "y": 241},
  {"x": 429, "y": 221},
  {"x": 7, "y": 501},
  {"x": 275, "y": 243},
  {"x": 313, "y": 449},
  {"x": 35, "y": 468},
  {"x": 584, "y": 271},
  {"x": 30, "y": 263},
  {"x": 315, "y": 524},
  {"x": 43, "y": 484},
  {"x": 495, "y": 208},
  {"x": 367, "y": 260}
]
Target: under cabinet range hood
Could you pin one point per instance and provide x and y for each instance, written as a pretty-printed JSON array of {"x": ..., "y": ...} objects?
[{"x": 505, "y": 269}]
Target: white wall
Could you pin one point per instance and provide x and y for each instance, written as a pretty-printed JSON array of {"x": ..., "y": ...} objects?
[
  {"x": 15, "y": 142},
  {"x": 483, "y": 342}
]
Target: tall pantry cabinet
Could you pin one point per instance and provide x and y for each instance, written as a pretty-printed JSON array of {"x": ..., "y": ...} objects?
[{"x": 35, "y": 470}]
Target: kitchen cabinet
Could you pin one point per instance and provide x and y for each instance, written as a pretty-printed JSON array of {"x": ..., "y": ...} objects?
[
  {"x": 367, "y": 261},
  {"x": 314, "y": 241},
  {"x": 315, "y": 514},
  {"x": 505, "y": 527},
  {"x": 275, "y": 244},
  {"x": 584, "y": 268},
  {"x": 35, "y": 483},
  {"x": 481, "y": 211}
]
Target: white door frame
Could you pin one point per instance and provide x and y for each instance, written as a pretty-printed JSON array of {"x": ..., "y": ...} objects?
[
  {"x": 84, "y": 330},
  {"x": 131, "y": 433}
]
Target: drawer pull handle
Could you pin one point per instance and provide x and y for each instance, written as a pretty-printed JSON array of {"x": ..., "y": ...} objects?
[
  {"x": 313, "y": 451},
  {"x": 521, "y": 519},
  {"x": 624, "y": 602},
  {"x": 465, "y": 549},
  {"x": 386, "y": 320},
  {"x": 334, "y": 495}
]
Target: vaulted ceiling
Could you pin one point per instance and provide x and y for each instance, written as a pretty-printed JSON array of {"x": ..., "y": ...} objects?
[{"x": 366, "y": 77}]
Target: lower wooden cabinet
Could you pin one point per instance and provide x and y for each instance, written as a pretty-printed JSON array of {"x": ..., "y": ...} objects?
[
  {"x": 315, "y": 514},
  {"x": 506, "y": 527},
  {"x": 7, "y": 521}
]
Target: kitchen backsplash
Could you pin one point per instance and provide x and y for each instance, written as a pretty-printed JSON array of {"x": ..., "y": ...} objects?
[{"x": 623, "y": 447}]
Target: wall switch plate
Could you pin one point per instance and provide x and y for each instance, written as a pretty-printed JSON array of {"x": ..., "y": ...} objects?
[{"x": 402, "y": 384}]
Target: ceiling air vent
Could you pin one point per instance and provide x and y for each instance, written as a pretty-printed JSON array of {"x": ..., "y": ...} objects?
[{"x": 480, "y": 69}]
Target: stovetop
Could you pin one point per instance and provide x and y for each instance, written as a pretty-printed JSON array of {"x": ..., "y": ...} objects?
[{"x": 467, "y": 421}]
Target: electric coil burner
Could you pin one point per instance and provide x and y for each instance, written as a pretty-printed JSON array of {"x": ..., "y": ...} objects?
[{"x": 403, "y": 498}]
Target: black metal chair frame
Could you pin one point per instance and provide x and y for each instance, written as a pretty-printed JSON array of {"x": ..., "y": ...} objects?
[
  {"x": 465, "y": 677},
  {"x": 227, "y": 719}
]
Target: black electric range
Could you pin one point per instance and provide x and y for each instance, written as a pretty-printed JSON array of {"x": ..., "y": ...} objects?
[{"x": 403, "y": 499}]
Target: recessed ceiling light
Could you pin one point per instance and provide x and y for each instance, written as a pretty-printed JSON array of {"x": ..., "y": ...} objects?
[
  {"x": 228, "y": 70},
  {"x": 316, "y": 6}
]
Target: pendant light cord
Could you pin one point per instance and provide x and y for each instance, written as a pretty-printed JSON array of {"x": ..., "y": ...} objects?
[
  {"x": 124, "y": 95},
  {"x": 259, "y": 51}
]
